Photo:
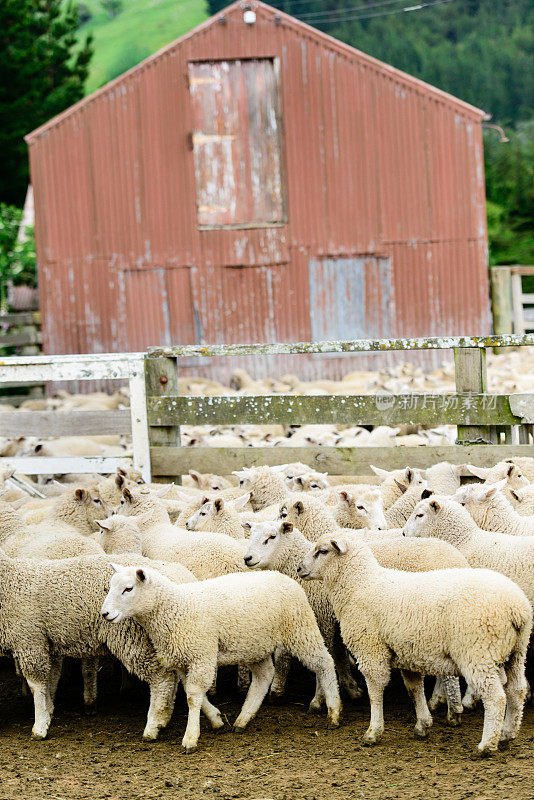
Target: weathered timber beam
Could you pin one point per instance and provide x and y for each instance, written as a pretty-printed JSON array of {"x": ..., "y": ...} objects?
[
  {"x": 334, "y": 460},
  {"x": 357, "y": 345},
  {"x": 428, "y": 409},
  {"x": 44, "y": 424}
]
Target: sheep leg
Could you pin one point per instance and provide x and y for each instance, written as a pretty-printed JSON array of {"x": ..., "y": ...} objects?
[
  {"x": 439, "y": 695},
  {"x": 282, "y": 664},
  {"x": 262, "y": 676},
  {"x": 490, "y": 689},
  {"x": 90, "y": 679},
  {"x": 55, "y": 674},
  {"x": 43, "y": 707},
  {"x": 376, "y": 681},
  {"x": 162, "y": 694},
  {"x": 415, "y": 686},
  {"x": 515, "y": 690},
  {"x": 470, "y": 698},
  {"x": 211, "y": 712},
  {"x": 243, "y": 678},
  {"x": 197, "y": 682},
  {"x": 318, "y": 660},
  {"x": 341, "y": 660},
  {"x": 454, "y": 699}
]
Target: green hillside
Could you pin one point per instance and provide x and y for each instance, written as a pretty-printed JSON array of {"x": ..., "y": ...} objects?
[{"x": 137, "y": 31}]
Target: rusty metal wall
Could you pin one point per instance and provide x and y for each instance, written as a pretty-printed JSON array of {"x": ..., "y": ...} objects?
[{"x": 380, "y": 169}]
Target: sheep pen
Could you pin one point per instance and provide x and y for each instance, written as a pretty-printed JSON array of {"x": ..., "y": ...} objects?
[{"x": 285, "y": 752}]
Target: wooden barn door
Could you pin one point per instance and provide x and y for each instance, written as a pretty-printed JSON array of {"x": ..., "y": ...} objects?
[{"x": 237, "y": 144}]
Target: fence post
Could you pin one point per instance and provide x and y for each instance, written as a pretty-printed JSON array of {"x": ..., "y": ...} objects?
[
  {"x": 471, "y": 376},
  {"x": 139, "y": 421},
  {"x": 161, "y": 376}
]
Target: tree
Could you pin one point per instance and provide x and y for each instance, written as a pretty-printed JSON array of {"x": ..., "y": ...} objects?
[
  {"x": 111, "y": 7},
  {"x": 42, "y": 72}
]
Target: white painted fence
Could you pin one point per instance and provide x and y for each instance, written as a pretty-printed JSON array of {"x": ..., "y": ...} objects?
[{"x": 110, "y": 366}]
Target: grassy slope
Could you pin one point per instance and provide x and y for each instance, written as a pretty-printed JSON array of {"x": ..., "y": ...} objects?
[{"x": 143, "y": 27}]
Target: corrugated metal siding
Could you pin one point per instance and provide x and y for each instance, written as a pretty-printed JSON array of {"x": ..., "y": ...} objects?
[{"x": 380, "y": 169}]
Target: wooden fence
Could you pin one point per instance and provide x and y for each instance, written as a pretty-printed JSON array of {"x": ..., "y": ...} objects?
[
  {"x": 513, "y": 309},
  {"x": 22, "y": 330},
  {"x": 490, "y": 426},
  {"x": 483, "y": 419},
  {"x": 27, "y": 369}
]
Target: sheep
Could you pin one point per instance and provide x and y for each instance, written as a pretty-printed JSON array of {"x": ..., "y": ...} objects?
[
  {"x": 443, "y": 477},
  {"x": 266, "y": 486},
  {"x": 397, "y": 514},
  {"x": 523, "y": 500},
  {"x": 219, "y": 516},
  {"x": 444, "y": 518},
  {"x": 503, "y": 470},
  {"x": 50, "y": 609},
  {"x": 76, "y": 510},
  {"x": 308, "y": 482},
  {"x": 118, "y": 531},
  {"x": 206, "y": 554},
  {"x": 19, "y": 540},
  {"x": 365, "y": 510},
  {"x": 443, "y": 622},
  {"x": 227, "y": 620},
  {"x": 280, "y": 546},
  {"x": 526, "y": 465},
  {"x": 491, "y": 510},
  {"x": 209, "y": 481},
  {"x": 389, "y": 483},
  {"x": 310, "y": 516}
]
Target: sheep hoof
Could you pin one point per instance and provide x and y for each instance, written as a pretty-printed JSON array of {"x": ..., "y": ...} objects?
[
  {"x": 504, "y": 744},
  {"x": 420, "y": 732},
  {"x": 150, "y": 737},
  {"x": 90, "y": 710},
  {"x": 369, "y": 739},
  {"x": 239, "y": 728},
  {"x": 315, "y": 707},
  {"x": 454, "y": 718},
  {"x": 353, "y": 692},
  {"x": 38, "y": 736},
  {"x": 483, "y": 752},
  {"x": 275, "y": 698},
  {"x": 188, "y": 750}
]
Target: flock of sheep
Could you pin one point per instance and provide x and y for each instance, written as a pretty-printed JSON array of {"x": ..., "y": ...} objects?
[
  {"x": 415, "y": 571},
  {"x": 272, "y": 564}
]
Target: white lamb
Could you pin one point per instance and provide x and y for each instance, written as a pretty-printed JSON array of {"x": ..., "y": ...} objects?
[
  {"x": 220, "y": 516},
  {"x": 444, "y": 622},
  {"x": 492, "y": 511},
  {"x": 227, "y": 620}
]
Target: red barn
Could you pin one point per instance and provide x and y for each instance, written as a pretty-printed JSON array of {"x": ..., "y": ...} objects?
[{"x": 260, "y": 181}]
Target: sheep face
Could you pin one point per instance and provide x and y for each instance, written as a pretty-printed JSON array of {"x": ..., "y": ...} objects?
[
  {"x": 266, "y": 543},
  {"x": 91, "y": 502},
  {"x": 207, "y": 511},
  {"x": 119, "y": 533},
  {"x": 309, "y": 482},
  {"x": 128, "y": 595},
  {"x": 441, "y": 517},
  {"x": 321, "y": 557},
  {"x": 364, "y": 512}
]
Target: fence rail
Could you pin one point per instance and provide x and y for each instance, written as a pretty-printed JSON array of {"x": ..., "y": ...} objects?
[
  {"x": 158, "y": 411},
  {"x": 21, "y": 329}
]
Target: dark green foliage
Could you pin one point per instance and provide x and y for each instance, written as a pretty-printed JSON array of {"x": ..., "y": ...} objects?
[
  {"x": 42, "y": 72},
  {"x": 17, "y": 258},
  {"x": 111, "y": 7},
  {"x": 510, "y": 193}
]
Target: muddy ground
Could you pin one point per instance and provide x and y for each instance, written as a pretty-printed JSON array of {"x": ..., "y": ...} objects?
[{"x": 286, "y": 753}]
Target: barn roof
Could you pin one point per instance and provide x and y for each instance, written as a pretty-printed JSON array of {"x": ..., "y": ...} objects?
[{"x": 267, "y": 12}]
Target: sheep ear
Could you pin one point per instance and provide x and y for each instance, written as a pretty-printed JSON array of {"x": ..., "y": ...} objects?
[
  {"x": 120, "y": 480},
  {"x": 299, "y": 507},
  {"x": 381, "y": 473},
  {"x": 287, "y": 527},
  {"x": 183, "y": 496},
  {"x": 516, "y": 495},
  {"x": 16, "y": 504},
  {"x": 219, "y": 504},
  {"x": 345, "y": 496},
  {"x": 246, "y": 525},
  {"x": 339, "y": 546},
  {"x": 240, "y": 502},
  {"x": 401, "y": 486},
  {"x": 409, "y": 474},
  {"x": 205, "y": 500},
  {"x": 115, "y": 567},
  {"x": 197, "y": 477},
  {"x": 104, "y": 524},
  {"x": 510, "y": 470},
  {"x": 426, "y": 493},
  {"x": 61, "y": 486},
  {"x": 163, "y": 492},
  {"x": 435, "y": 506},
  {"x": 479, "y": 472},
  {"x": 141, "y": 576},
  {"x": 80, "y": 494},
  {"x": 126, "y": 493}
]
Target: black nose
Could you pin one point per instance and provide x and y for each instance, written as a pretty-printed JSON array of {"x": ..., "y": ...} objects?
[{"x": 248, "y": 559}]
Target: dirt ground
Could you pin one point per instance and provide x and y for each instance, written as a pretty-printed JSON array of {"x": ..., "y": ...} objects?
[{"x": 285, "y": 754}]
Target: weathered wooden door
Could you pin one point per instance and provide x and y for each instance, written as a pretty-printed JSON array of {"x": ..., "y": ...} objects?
[{"x": 237, "y": 143}]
